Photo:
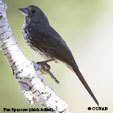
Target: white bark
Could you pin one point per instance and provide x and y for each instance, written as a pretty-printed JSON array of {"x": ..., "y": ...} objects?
[{"x": 31, "y": 84}]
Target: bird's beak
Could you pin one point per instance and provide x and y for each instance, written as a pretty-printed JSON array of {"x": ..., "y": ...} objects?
[{"x": 24, "y": 11}]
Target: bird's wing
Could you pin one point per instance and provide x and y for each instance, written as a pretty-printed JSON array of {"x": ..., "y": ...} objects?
[{"x": 49, "y": 41}]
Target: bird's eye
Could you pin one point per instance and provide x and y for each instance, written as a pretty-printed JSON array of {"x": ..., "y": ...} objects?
[{"x": 33, "y": 11}]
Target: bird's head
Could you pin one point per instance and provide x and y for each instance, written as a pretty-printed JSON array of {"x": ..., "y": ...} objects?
[{"x": 33, "y": 14}]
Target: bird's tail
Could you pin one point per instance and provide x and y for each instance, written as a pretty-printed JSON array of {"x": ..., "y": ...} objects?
[{"x": 81, "y": 78}]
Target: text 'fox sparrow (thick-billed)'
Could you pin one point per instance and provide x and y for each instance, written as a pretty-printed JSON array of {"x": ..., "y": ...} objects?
[{"x": 43, "y": 39}]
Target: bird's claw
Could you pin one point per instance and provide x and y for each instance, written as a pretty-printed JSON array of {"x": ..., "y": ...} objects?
[{"x": 44, "y": 67}]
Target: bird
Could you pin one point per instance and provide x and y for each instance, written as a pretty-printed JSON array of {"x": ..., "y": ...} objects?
[{"x": 44, "y": 40}]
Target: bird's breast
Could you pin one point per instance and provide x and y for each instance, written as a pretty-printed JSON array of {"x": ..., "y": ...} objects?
[{"x": 32, "y": 44}]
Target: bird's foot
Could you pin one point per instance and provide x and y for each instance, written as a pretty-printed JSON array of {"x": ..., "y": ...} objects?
[{"x": 44, "y": 68}]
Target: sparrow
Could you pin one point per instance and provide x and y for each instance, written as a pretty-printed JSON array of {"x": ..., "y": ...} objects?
[{"x": 44, "y": 40}]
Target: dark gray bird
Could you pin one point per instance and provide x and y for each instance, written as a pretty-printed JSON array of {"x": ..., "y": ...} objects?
[{"x": 43, "y": 39}]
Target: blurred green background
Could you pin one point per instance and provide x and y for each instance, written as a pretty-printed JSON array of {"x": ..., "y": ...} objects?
[{"x": 87, "y": 27}]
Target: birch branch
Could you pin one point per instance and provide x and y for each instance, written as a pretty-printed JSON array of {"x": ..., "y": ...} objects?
[{"x": 31, "y": 84}]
